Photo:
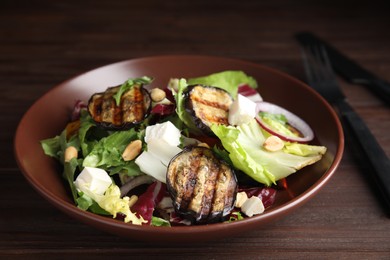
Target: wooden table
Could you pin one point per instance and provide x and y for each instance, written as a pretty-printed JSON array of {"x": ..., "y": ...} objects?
[{"x": 43, "y": 43}]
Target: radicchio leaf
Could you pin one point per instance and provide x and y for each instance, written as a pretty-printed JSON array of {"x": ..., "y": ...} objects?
[{"x": 148, "y": 200}]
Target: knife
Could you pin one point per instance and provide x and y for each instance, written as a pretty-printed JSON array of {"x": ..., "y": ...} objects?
[
  {"x": 370, "y": 156},
  {"x": 349, "y": 69}
]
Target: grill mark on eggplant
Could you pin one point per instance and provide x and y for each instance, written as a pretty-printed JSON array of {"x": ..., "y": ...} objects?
[
  {"x": 210, "y": 115},
  {"x": 189, "y": 182},
  {"x": 215, "y": 104},
  {"x": 207, "y": 105},
  {"x": 199, "y": 178},
  {"x": 222, "y": 198},
  {"x": 208, "y": 195},
  {"x": 134, "y": 107},
  {"x": 197, "y": 182},
  {"x": 97, "y": 108},
  {"x": 202, "y": 196}
]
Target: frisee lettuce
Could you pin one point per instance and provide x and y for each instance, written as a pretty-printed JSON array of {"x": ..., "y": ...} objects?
[
  {"x": 110, "y": 203},
  {"x": 85, "y": 202}
]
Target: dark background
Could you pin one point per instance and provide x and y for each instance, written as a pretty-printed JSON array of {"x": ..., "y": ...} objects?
[{"x": 43, "y": 43}]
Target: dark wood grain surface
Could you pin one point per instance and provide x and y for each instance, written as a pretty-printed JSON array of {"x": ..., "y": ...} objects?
[{"x": 43, "y": 43}]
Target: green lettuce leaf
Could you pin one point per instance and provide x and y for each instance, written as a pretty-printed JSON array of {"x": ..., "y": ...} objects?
[
  {"x": 278, "y": 123},
  {"x": 160, "y": 222},
  {"x": 85, "y": 202},
  {"x": 52, "y": 147},
  {"x": 228, "y": 80},
  {"x": 303, "y": 149},
  {"x": 55, "y": 147},
  {"x": 245, "y": 146},
  {"x": 68, "y": 173},
  {"x": 180, "y": 106},
  {"x": 129, "y": 168},
  {"x": 89, "y": 134},
  {"x": 107, "y": 152},
  {"x": 235, "y": 216}
]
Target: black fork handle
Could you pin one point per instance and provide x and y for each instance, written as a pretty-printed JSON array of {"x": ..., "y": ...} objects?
[{"x": 367, "y": 148}]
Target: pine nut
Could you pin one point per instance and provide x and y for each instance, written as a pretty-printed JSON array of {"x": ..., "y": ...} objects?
[
  {"x": 204, "y": 145},
  {"x": 70, "y": 153},
  {"x": 273, "y": 143},
  {"x": 132, "y": 150},
  {"x": 157, "y": 94}
]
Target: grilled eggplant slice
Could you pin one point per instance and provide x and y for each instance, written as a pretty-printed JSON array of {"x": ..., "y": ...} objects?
[
  {"x": 133, "y": 108},
  {"x": 202, "y": 187},
  {"x": 207, "y": 105}
]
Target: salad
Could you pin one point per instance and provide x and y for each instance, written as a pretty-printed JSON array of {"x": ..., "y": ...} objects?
[{"x": 198, "y": 151}]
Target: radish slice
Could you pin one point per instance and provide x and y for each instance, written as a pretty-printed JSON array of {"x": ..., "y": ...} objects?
[{"x": 292, "y": 119}]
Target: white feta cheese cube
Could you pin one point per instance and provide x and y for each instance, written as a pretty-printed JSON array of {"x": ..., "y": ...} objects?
[
  {"x": 162, "y": 141},
  {"x": 162, "y": 150},
  {"x": 152, "y": 166},
  {"x": 165, "y": 131},
  {"x": 241, "y": 111},
  {"x": 255, "y": 97},
  {"x": 252, "y": 206},
  {"x": 93, "y": 182},
  {"x": 241, "y": 197}
]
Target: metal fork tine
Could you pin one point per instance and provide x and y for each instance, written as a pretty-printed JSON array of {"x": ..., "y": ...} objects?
[
  {"x": 322, "y": 78},
  {"x": 323, "y": 63},
  {"x": 326, "y": 60},
  {"x": 308, "y": 66},
  {"x": 320, "y": 73}
]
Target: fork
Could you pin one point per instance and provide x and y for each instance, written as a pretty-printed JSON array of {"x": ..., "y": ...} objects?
[{"x": 321, "y": 77}]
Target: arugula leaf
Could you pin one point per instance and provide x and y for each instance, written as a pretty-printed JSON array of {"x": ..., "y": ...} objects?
[{"x": 129, "y": 84}]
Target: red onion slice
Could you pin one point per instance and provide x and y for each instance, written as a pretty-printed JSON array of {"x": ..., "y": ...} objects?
[{"x": 293, "y": 120}]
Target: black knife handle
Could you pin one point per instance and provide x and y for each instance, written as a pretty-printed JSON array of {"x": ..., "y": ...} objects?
[
  {"x": 381, "y": 89},
  {"x": 369, "y": 148}
]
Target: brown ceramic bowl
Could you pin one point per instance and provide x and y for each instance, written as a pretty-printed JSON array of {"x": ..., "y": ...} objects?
[{"x": 49, "y": 115}]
